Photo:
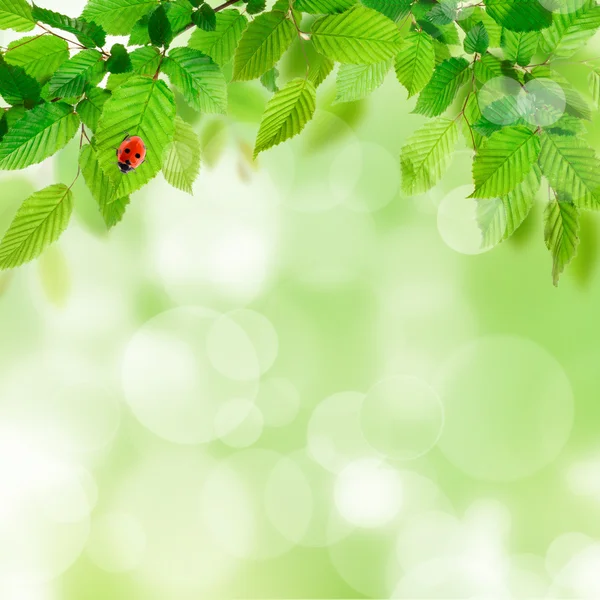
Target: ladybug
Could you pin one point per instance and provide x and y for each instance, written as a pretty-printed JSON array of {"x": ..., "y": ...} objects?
[{"x": 131, "y": 153}]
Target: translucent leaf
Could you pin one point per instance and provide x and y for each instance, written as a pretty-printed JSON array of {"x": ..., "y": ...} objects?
[
  {"x": 286, "y": 114},
  {"x": 358, "y": 36},
  {"x": 199, "y": 79},
  {"x": 441, "y": 90},
  {"x": 72, "y": 76},
  {"x": 39, "y": 56},
  {"x": 221, "y": 43},
  {"x": 572, "y": 168},
  {"x": 112, "y": 208},
  {"x": 262, "y": 45},
  {"x": 181, "y": 163},
  {"x": 117, "y": 17},
  {"x": 561, "y": 234},
  {"x": 415, "y": 62},
  {"x": 16, "y": 14},
  {"x": 355, "y": 82},
  {"x": 504, "y": 161},
  {"x": 426, "y": 155},
  {"x": 40, "y": 133},
  {"x": 39, "y": 222}
]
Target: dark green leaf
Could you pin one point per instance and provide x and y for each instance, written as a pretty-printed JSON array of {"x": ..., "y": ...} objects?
[
  {"x": 119, "y": 61},
  {"x": 16, "y": 87},
  {"x": 205, "y": 18},
  {"x": 392, "y": 9},
  {"x": 519, "y": 15},
  {"x": 477, "y": 40},
  {"x": 253, "y": 7},
  {"x": 89, "y": 34},
  {"x": 159, "y": 28}
]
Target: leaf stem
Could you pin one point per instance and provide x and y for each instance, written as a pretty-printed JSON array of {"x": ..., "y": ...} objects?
[{"x": 61, "y": 37}]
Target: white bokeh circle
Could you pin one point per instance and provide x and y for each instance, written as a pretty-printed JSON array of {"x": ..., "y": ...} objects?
[
  {"x": 543, "y": 102},
  {"x": 498, "y": 100},
  {"x": 402, "y": 417}
]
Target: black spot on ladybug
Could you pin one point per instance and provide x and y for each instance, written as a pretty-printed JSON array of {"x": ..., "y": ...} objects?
[
  {"x": 138, "y": 156},
  {"x": 127, "y": 150}
]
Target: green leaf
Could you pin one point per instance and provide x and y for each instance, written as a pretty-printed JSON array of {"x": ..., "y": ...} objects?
[
  {"x": 426, "y": 155},
  {"x": 498, "y": 219},
  {"x": 16, "y": 14},
  {"x": 159, "y": 28},
  {"x": 103, "y": 190},
  {"x": 89, "y": 34},
  {"x": 519, "y": 47},
  {"x": 16, "y": 87},
  {"x": 471, "y": 116},
  {"x": 561, "y": 234},
  {"x": 441, "y": 91},
  {"x": 504, "y": 161},
  {"x": 39, "y": 56},
  {"x": 199, "y": 79},
  {"x": 117, "y": 17},
  {"x": 415, "y": 62},
  {"x": 205, "y": 18},
  {"x": 3, "y": 125},
  {"x": 90, "y": 109},
  {"x": 39, "y": 134},
  {"x": 269, "y": 80},
  {"x": 519, "y": 15},
  {"x": 14, "y": 114},
  {"x": 323, "y": 7},
  {"x": 221, "y": 43},
  {"x": 392, "y": 9},
  {"x": 358, "y": 36},
  {"x": 571, "y": 29},
  {"x": 253, "y": 7},
  {"x": 355, "y": 82},
  {"x": 567, "y": 125},
  {"x": 262, "y": 45},
  {"x": 286, "y": 114},
  {"x": 489, "y": 67},
  {"x": 181, "y": 163},
  {"x": 119, "y": 61},
  {"x": 477, "y": 40},
  {"x": 72, "y": 76},
  {"x": 572, "y": 169},
  {"x": 320, "y": 68},
  {"x": 39, "y": 222},
  {"x": 144, "y": 61},
  {"x": 594, "y": 83},
  {"x": 143, "y": 107}
]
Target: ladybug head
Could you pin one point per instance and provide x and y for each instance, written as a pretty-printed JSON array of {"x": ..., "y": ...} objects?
[{"x": 125, "y": 167}]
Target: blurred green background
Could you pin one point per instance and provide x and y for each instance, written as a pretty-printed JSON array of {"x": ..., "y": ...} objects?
[{"x": 297, "y": 383}]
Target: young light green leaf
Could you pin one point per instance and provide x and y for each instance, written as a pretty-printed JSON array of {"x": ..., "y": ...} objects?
[
  {"x": 16, "y": 87},
  {"x": 320, "y": 68},
  {"x": 119, "y": 60},
  {"x": 90, "y": 109},
  {"x": 38, "y": 56},
  {"x": 72, "y": 76},
  {"x": 143, "y": 107},
  {"x": 39, "y": 222},
  {"x": 441, "y": 91},
  {"x": 117, "y": 17},
  {"x": 159, "y": 27},
  {"x": 262, "y": 45},
  {"x": 355, "y": 82},
  {"x": 358, "y": 36},
  {"x": 561, "y": 234},
  {"x": 519, "y": 15},
  {"x": 415, "y": 62},
  {"x": 477, "y": 40},
  {"x": 594, "y": 83},
  {"x": 221, "y": 43},
  {"x": 392, "y": 9},
  {"x": 181, "y": 162},
  {"x": 103, "y": 190},
  {"x": 519, "y": 47},
  {"x": 286, "y": 114},
  {"x": 205, "y": 18},
  {"x": 571, "y": 28},
  {"x": 89, "y": 34},
  {"x": 16, "y": 14},
  {"x": 504, "y": 161},
  {"x": 199, "y": 79},
  {"x": 323, "y": 7},
  {"x": 39, "y": 134},
  {"x": 572, "y": 169},
  {"x": 426, "y": 155}
]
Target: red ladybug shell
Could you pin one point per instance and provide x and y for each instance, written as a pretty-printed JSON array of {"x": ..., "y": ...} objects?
[{"x": 131, "y": 153}]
